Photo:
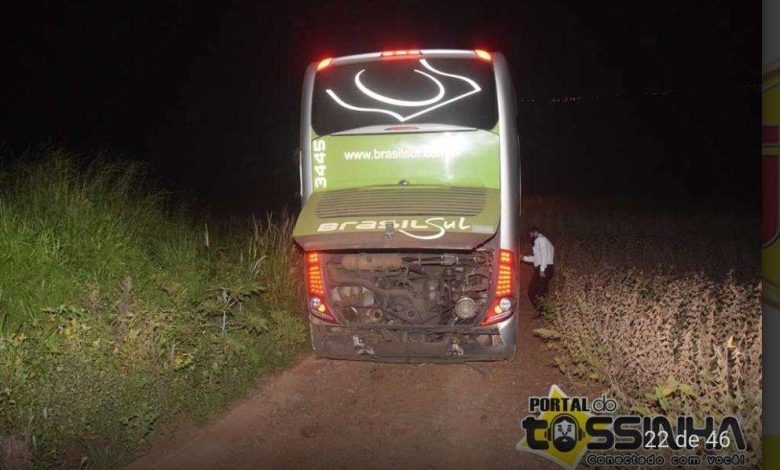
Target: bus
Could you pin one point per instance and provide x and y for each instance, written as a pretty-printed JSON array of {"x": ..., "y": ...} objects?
[{"x": 410, "y": 187}]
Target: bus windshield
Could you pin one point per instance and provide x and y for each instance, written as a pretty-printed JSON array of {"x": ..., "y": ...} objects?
[{"x": 445, "y": 91}]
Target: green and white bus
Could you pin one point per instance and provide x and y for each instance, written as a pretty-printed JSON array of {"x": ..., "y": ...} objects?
[{"x": 410, "y": 182}]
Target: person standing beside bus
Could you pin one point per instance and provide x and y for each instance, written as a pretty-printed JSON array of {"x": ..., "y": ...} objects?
[{"x": 544, "y": 269}]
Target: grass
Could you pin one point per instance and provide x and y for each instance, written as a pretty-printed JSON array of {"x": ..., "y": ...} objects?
[
  {"x": 662, "y": 308},
  {"x": 119, "y": 311}
]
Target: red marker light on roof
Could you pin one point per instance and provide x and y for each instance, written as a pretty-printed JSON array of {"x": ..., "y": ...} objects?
[
  {"x": 484, "y": 55},
  {"x": 324, "y": 63},
  {"x": 402, "y": 53}
]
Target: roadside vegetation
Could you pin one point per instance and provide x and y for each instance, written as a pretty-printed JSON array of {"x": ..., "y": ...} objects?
[
  {"x": 120, "y": 312},
  {"x": 662, "y": 308}
]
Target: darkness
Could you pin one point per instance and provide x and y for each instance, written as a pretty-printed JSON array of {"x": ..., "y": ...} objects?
[{"x": 621, "y": 98}]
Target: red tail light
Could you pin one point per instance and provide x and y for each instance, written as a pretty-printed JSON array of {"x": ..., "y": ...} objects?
[
  {"x": 504, "y": 303},
  {"x": 314, "y": 275},
  {"x": 315, "y": 288}
]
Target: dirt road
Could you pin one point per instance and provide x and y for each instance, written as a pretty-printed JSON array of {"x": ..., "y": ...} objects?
[{"x": 331, "y": 414}]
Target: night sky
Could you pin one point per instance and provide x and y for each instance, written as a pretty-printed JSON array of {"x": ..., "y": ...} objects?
[{"x": 615, "y": 97}]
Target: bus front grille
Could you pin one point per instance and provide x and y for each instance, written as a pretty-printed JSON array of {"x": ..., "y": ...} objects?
[{"x": 402, "y": 201}]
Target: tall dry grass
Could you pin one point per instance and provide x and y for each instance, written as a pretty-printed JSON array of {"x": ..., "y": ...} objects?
[{"x": 662, "y": 308}]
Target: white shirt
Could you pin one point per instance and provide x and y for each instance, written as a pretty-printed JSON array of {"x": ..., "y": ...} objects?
[{"x": 544, "y": 253}]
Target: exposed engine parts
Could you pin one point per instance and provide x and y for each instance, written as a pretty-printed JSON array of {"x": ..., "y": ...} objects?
[
  {"x": 466, "y": 308},
  {"x": 372, "y": 262},
  {"x": 409, "y": 288}
]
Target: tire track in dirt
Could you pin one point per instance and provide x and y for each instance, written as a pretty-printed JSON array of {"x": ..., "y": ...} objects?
[{"x": 339, "y": 414}]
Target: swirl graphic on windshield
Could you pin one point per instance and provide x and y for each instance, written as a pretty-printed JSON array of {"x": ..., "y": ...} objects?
[{"x": 435, "y": 102}]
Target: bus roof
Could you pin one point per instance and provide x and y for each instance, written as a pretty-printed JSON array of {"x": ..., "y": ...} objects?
[{"x": 405, "y": 54}]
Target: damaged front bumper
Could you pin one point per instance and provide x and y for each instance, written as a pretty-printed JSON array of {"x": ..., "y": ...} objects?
[{"x": 405, "y": 343}]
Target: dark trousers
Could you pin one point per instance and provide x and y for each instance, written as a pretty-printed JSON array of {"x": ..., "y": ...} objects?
[{"x": 537, "y": 289}]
